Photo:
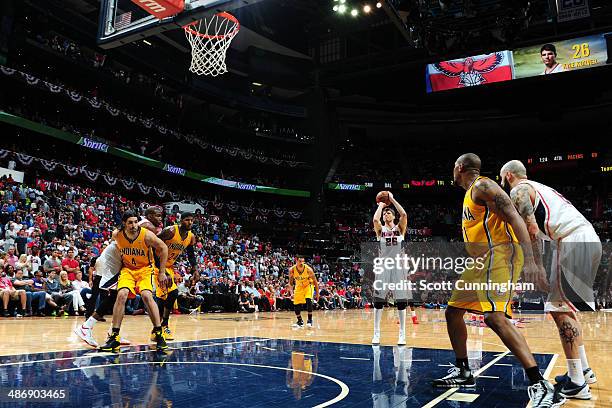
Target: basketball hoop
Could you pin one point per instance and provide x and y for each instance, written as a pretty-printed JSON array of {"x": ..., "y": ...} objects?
[{"x": 210, "y": 38}]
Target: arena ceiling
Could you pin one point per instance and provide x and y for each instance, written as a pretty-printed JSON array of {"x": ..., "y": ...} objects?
[{"x": 291, "y": 45}]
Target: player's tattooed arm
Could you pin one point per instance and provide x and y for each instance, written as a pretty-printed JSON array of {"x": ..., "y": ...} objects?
[
  {"x": 521, "y": 197},
  {"x": 166, "y": 234},
  {"x": 489, "y": 193}
]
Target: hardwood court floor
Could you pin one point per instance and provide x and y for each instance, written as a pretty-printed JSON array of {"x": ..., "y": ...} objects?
[{"x": 36, "y": 335}]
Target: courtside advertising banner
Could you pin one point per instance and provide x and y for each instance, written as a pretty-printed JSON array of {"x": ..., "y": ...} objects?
[{"x": 470, "y": 71}]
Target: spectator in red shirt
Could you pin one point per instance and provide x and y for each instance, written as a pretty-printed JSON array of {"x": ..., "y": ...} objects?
[
  {"x": 70, "y": 265},
  {"x": 285, "y": 301}
]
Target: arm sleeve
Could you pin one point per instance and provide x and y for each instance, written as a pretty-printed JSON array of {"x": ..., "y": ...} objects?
[{"x": 191, "y": 256}]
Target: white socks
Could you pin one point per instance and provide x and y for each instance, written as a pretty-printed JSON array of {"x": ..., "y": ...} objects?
[
  {"x": 402, "y": 320},
  {"x": 574, "y": 370},
  {"x": 583, "y": 357},
  {"x": 377, "y": 318},
  {"x": 90, "y": 323}
]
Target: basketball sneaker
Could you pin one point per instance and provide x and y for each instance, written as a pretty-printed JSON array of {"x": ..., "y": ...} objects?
[
  {"x": 86, "y": 334},
  {"x": 112, "y": 344},
  {"x": 415, "y": 320},
  {"x": 570, "y": 389},
  {"x": 457, "y": 377},
  {"x": 161, "y": 342},
  {"x": 167, "y": 333},
  {"x": 401, "y": 341},
  {"x": 298, "y": 325},
  {"x": 543, "y": 395},
  {"x": 309, "y": 324},
  {"x": 589, "y": 376},
  {"x": 376, "y": 339}
]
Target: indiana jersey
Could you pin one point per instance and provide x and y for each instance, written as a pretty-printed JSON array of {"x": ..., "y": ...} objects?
[
  {"x": 135, "y": 254},
  {"x": 302, "y": 279},
  {"x": 555, "y": 215},
  {"x": 176, "y": 245},
  {"x": 390, "y": 242},
  {"x": 302, "y": 378},
  {"x": 481, "y": 225}
]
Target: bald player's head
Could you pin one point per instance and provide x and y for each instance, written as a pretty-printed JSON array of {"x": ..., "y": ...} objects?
[
  {"x": 512, "y": 173},
  {"x": 466, "y": 165},
  {"x": 469, "y": 161}
]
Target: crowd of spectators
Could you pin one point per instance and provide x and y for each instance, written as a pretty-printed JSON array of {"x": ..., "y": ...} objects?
[{"x": 50, "y": 238}]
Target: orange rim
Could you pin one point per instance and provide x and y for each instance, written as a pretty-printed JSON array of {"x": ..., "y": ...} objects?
[{"x": 223, "y": 14}]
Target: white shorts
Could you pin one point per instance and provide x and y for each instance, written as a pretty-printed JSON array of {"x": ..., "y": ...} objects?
[
  {"x": 382, "y": 282},
  {"x": 108, "y": 264},
  {"x": 574, "y": 265}
]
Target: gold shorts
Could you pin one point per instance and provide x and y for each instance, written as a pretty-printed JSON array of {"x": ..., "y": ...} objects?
[
  {"x": 163, "y": 293},
  {"x": 133, "y": 278},
  {"x": 502, "y": 265},
  {"x": 301, "y": 294}
]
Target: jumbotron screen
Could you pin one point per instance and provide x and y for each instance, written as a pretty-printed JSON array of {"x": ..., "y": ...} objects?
[{"x": 541, "y": 59}]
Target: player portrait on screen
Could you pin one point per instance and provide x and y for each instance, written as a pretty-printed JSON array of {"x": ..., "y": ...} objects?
[{"x": 548, "y": 53}]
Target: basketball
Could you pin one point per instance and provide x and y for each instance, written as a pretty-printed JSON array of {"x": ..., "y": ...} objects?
[{"x": 383, "y": 197}]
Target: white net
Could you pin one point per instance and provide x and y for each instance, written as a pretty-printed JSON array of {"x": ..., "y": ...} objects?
[{"x": 210, "y": 38}]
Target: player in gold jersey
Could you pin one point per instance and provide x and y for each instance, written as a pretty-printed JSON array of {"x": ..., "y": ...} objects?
[
  {"x": 178, "y": 238},
  {"x": 492, "y": 230},
  {"x": 134, "y": 244},
  {"x": 306, "y": 285}
]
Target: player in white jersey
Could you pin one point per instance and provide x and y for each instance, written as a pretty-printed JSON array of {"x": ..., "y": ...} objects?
[
  {"x": 108, "y": 265},
  {"x": 390, "y": 238},
  {"x": 384, "y": 396},
  {"x": 550, "y": 216}
]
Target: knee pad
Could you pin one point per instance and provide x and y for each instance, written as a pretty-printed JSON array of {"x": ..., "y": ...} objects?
[
  {"x": 378, "y": 305},
  {"x": 401, "y": 305},
  {"x": 309, "y": 305}
]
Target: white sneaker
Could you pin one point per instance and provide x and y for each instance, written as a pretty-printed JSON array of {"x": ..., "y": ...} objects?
[
  {"x": 309, "y": 325},
  {"x": 297, "y": 325},
  {"x": 86, "y": 335},
  {"x": 376, "y": 339},
  {"x": 401, "y": 341}
]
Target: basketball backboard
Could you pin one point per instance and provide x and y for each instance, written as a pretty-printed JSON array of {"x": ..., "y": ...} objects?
[{"x": 122, "y": 21}]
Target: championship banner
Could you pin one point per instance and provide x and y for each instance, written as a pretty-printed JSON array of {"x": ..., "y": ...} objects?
[
  {"x": 568, "y": 10},
  {"x": 560, "y": 56},
  {"x": 470, "y": 71}
]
